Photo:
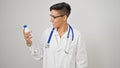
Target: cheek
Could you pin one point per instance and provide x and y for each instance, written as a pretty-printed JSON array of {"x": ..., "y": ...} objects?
[{"x": 58, "y": 22}]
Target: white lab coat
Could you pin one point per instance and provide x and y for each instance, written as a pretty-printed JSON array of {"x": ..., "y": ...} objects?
[{"x": 55, "y": 56}]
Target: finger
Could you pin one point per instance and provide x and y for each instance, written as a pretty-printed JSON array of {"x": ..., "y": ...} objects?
[
  {"x": 26, "y": 32},
  {"x": 27, "y": 35},
  {"x": 29, "y": 38},
  {"x": 23, "y": 31}
]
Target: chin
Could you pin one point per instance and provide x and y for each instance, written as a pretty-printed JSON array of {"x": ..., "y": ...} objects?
[{"x": 55, "y": 26}]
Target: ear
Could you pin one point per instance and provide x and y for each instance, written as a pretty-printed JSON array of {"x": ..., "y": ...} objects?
[{"x": 65, "y": 18}]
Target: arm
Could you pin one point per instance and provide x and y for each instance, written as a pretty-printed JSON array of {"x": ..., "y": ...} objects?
[
  {"x": 36, "y": 49},
  {"x": 35, "y": 46},
  {"x": 81, "y": 55}
]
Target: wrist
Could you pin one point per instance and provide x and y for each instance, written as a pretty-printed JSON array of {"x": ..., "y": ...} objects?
[{"x": 29, "y": 44}]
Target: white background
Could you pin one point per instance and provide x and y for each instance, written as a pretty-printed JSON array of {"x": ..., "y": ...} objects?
[{"x": 97, "y": 20}]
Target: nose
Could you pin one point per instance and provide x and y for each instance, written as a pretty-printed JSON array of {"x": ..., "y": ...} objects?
[{"x": 52, "y": 19}]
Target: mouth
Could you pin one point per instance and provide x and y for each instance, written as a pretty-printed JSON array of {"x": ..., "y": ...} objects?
[{"x": 53, "y": 23}]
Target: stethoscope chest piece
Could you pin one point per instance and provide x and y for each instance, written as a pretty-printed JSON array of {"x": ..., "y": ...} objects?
[
  {"x": 66, "y": 52},
  {"x": 68, "y": 45}
]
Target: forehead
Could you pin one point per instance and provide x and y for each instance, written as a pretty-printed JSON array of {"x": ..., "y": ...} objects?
[{"x": 54, "y": 12}]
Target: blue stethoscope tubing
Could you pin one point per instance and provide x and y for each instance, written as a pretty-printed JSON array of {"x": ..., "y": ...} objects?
[{"x": 68, "y": 34}]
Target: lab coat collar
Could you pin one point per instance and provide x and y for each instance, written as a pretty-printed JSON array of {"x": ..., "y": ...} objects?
[{"x": 57, "y": 34}]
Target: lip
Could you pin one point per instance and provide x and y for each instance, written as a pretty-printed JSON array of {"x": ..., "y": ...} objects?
[{"x": 53, "y": 23}]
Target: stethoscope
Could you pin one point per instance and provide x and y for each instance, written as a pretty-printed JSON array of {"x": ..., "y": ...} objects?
[{"x": 68, "y": 40}]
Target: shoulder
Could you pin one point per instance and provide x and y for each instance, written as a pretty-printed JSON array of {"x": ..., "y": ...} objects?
[
  {"x": 76, "y": 32},
  {"x": 78, "y": 35},
  {"x": 45, "y": 33}
]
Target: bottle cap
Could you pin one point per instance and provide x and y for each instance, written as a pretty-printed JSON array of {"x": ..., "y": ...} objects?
[{"x": 24, "y": 26}]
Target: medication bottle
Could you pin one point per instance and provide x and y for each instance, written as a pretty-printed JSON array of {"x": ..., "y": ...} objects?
[{"x": 26, "y": 28}]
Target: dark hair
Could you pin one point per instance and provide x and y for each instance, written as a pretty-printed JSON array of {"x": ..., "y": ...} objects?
[{"x": 63, "y": 8}]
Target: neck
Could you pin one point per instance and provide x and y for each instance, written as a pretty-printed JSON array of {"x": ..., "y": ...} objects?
[{"x": 62, "y": 29}]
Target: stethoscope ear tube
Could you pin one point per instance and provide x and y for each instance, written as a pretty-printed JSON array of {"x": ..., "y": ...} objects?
[
  {"x": 69, "y": 39},
  {"x": 68, "y": 45},
  {"x": 72, "y": 32},
  {"x": 51, "y": 33}
]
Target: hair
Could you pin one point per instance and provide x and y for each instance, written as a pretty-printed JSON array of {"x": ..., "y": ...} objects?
[{"x": 63, "y": 8}]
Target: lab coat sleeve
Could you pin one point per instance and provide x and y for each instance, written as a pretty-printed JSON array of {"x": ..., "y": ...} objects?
[
  {"x": 36, "y": 49},
  {"x": 81, "y": 54}
]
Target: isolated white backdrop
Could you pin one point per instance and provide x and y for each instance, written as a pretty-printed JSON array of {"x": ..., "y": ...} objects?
[{"x": 97, "y": 20}]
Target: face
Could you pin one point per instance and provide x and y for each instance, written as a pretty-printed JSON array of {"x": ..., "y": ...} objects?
[{"x": 57, "y": 19}]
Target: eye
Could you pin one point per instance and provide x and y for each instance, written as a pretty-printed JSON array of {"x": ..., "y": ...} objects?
[{"x": 56, "y": 16}]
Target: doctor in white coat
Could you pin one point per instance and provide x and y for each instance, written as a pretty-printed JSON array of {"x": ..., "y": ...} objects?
[{"x": 60, "y": 46}]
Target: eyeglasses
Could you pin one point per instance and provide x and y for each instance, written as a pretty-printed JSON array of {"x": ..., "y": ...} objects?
[{"x": 56, "y": 16}]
